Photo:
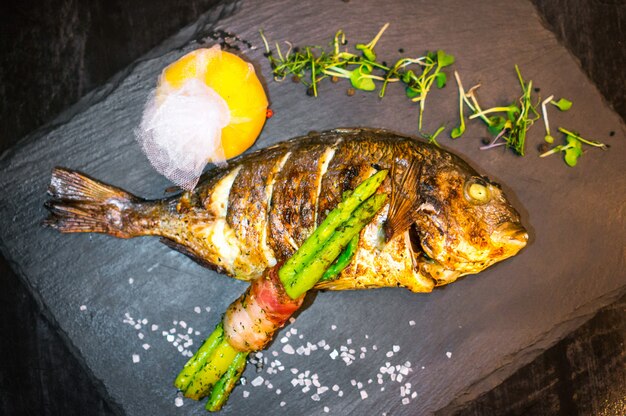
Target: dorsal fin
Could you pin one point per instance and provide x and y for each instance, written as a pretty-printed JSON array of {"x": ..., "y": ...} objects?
[{"x": 404, "y": 199}]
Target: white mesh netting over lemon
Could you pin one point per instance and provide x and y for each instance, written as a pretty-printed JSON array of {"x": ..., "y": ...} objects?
[{"x": 209, "y": 106}]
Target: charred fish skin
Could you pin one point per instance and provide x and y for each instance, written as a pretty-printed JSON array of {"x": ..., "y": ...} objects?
[{"x": 245, "y": 217}]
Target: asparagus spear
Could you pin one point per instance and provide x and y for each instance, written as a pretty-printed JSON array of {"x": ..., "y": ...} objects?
[
  {"x": 217, "y": 364},
  {"x": 289, "y": 272},
  {"x": 343, "y": 260}
]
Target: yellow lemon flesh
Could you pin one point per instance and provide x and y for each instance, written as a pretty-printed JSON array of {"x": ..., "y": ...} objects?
[{"x": 235, "y": 81}]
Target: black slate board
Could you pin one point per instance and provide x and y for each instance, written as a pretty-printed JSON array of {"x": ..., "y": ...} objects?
[{"x": 489, "y": 324}]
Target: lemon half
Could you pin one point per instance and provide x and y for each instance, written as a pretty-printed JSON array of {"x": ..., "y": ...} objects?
[{"x": 235, "y": 81}]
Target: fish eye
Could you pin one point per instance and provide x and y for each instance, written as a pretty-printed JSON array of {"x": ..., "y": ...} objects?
[{"x": 477, "y": 191}]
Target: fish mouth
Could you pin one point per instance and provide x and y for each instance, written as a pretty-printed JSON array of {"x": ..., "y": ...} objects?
[{"x": 511, "y": 234}]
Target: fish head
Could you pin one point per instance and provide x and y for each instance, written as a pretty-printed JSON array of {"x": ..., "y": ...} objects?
[{"x": 464, "y": 223}]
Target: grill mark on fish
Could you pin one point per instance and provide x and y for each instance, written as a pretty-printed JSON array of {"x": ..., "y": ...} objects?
[
  {"x": 247, "y": 212},
  {"x": 323, "y": 168},
  {"x": 218, "y": 233},
  {"x": 292, "y": 212},
  {"x": 269, "y": 192}
]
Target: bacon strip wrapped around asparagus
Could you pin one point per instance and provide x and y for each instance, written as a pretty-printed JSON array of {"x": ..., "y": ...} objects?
[{"x": 250, "y": 322}]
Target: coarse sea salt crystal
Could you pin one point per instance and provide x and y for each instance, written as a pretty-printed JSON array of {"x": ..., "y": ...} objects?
[
  {"x": 178, "y": 402},
  {"x": 140, "y": 335},
  {"x": 154, "y": 327},
  {"x": 363, "y": 394},
  {"x": 396, "y": 348},
  {"x": 333, "y": 327},
  {"x": 449, "y": 354},
  {"x": 412, "y": 323},
  {"x": 245, "y": 393},
  {"x": 197, "y": 309},
  {"x": 406, "y": 401},
  {"x": 315, "y": 397},
  {"x": 282, "y": 404},
  {"x": 326, "y": 409},
  {"x": 288, "y": 349},
  {"x": 130, "y": 281},
  {"x": 146, "y": 346},
  {"x": 136, "y": 358},
  {"x": 257, "y": 381}
]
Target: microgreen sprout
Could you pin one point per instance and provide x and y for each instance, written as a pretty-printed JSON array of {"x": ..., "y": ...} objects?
[
  {"x": 573, "y": 149},
  {"x": 548, "y": 138},
  {"x": 360, "y": 68},
  {"x": 563, "y": 104},
  {"x": 510, "y": 123},
  {"x": 432, "y": 138},
  {"x": 458, "y": 131}
]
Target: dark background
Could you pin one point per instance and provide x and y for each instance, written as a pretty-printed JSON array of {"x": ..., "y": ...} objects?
[{"x": 54, "y": 52}]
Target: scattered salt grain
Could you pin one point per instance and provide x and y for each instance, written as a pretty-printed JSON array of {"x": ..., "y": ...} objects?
[
  {"x": 288, "y": 349},
  {"x": 130, "y": 281},
  {"x": 154, "y": 327},
  {"x": 334, "y": 354},
  {"x": 246, "y": 393},
  {"x": 136, "y": 358},
  {"x": 183, "y": 324},
  {"x": 282, "y": 404},
  {"x": 333, "y": 327},
  {"x": 449, "y": 354},
  {"x": 315, "y": 397},
  {"x": 197, "y": 309},
  {"x": 396, "y": 348},
  {"x": 140, "y": 335},
  {"x": 146, "y": 346},
  {"x": 406, "y": 401},
  {"x": 208, "y": 309},
  {"x": 257, "y": 381},
  {"x": 178, "y": 401},
  {"x": 412, "y": 323},
  {"x": 326, "y": 409},
  {"x": 363, "y": 394}
]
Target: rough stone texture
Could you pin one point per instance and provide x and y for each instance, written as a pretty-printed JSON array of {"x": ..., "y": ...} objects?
[{"x": 517, "y": 309}]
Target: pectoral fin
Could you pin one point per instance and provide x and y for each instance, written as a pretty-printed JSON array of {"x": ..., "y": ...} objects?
[{"x": 404, "y": 200}]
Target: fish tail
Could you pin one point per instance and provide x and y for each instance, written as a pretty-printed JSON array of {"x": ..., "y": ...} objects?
[{"x": 80, "y": 204}]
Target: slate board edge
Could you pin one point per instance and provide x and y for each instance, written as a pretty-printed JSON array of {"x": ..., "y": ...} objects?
[
  {"x": 54, "y": 325},
  {"x": 528, "y": 354},
  {"x": 551, "y": 29},
  {"x": 186, "y": 35}
]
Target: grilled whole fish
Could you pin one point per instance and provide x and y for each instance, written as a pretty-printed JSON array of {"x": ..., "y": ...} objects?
[{"x": 443, "y": 219}]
